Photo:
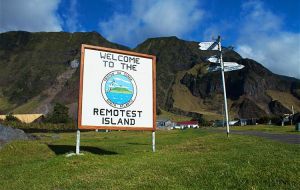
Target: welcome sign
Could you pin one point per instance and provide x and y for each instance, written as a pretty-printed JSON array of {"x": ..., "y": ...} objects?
[{"x": 117, "y": 90}]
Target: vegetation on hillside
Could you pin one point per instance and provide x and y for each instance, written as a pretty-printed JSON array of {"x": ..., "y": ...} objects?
[{"x": 31, "y": 62}]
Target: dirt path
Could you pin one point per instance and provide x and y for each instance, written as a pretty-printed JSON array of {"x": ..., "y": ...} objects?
[{"x": 286, "y": 138}]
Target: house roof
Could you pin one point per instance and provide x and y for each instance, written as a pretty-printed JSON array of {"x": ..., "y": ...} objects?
[
  {"x": 162, "y": 120},
  {"x": 25, "y": 118},
  {"x": 188, "y": 123}
]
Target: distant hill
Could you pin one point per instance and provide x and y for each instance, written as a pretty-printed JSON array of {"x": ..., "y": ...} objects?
[
  {"x": 120, "y": 90},
  {"x": 36, "y": 72}
]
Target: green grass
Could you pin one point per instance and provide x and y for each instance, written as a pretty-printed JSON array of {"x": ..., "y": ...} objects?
[
  {"x": 290, "y": 129},
  {"x": 28, "y": 107},
  {"x": 5, "y": 104},
  {"x": 189, "y": 159},
  {"x": 173, "y": 117}
]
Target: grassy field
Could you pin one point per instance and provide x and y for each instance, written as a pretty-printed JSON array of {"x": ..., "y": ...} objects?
[{"x": 188, "y": 159}]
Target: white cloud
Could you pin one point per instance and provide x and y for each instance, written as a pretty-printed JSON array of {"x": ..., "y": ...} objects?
[
  {"x": 152, "y": 18},
  {"x": 263, "y": 38},
  {"x": 222, "y": 28},
  {"x": 119, "y": 79},
  {"x": 29, "y": 15},
  {"x": 72, "y": 23}
]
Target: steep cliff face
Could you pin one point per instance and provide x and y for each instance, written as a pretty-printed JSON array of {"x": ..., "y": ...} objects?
[
  {"x": 248, "y": 109},
  {"x": 33, "y": 63},
  {"x": 247, "y": 88},
  {"x": 173, "y": 55}
]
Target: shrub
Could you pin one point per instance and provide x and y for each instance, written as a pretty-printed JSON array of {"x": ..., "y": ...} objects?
[
  {"x": 266, "y": 119},
  {"x": 59, "y": 114},
  {"x": 202, "y": 121},
  {"x": 10, "y": 117}
]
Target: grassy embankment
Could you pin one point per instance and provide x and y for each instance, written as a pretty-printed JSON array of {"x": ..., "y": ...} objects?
[{"x": 188, "y": 159}]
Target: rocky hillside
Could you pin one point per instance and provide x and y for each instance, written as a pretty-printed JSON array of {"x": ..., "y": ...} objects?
[
  {"x": 184, "y": 84},
  {"x": 38, "y": 69}
]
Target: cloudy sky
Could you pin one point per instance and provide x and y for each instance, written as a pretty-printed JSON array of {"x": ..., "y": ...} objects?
[{"x": 265, "y": 30}]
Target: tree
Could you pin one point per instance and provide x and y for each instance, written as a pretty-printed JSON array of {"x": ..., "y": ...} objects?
[
  {"x": 10, "y": 117},
  {"x": 59, "y": 114}
]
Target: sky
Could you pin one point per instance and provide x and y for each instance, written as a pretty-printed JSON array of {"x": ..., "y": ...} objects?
[{"x": 267, "y": 31}]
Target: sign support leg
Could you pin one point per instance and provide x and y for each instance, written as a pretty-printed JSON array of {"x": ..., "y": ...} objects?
[
  {"x": 78, "y": 142},
  {"x": 153, "y": 141}
]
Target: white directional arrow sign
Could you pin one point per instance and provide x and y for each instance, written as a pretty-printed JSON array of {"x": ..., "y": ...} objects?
[
  {"x": 228, "y": 66},
  {"x": 208, "y": 45},
  {"x": 213, "y": 59}
]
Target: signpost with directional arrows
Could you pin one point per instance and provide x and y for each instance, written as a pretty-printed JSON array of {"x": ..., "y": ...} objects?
[
  {"x": 219, "y": 65},
  {"x": 228, "y": 66},
  {"x": 208, "y": 45}
]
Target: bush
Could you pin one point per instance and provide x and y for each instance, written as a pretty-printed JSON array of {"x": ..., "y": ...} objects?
[
  {"x": 59, "y": 114},
  {"x": 266, "y": 119},
  {"x": 202, "y": 121},
  {"x": 296, "y": 118},
  {"x": 10, "y": 117}
]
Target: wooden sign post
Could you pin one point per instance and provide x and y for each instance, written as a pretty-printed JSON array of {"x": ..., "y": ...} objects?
[{"x": 117, "y": 91}]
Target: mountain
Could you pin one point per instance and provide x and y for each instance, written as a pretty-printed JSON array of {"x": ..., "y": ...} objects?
[
  {"x": 38, "y": 69},
  {"x": 183, "y": 83}
]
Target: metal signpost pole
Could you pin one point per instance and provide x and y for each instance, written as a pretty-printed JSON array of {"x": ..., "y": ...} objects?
[
  {"x": 224, "y": 87},
  {"x": 153, "y": 141},
  {"x": 78, "y": 142},
  {"x": 223, "y": 118}
]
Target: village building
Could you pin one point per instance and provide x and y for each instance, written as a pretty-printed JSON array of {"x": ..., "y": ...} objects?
[
  {"x": 164, "y": 124},
  {"x": 187, "y": 124}
]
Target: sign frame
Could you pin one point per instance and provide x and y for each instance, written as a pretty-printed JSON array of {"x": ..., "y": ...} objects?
[{"x": 130, "y": 53}]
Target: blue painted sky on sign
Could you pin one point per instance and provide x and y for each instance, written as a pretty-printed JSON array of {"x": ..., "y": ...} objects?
[{"x": 267, "y": 31}]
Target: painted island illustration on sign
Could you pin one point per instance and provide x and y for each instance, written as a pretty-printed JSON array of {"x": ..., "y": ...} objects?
[{"x": 118, "y": 89}]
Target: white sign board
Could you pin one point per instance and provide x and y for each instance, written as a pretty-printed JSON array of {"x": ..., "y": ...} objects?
[
  {"x": 208, "y": 45},
  {"x": 228, "y": 66},
  {"x": 117, "y": 90},
  {"x": 213, "y": 59}
]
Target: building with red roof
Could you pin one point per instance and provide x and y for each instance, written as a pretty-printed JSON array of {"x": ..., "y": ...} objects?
[{"x": 186, "y": 124}]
